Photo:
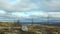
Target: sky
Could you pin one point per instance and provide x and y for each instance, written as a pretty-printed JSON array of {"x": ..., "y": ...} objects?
[{"x": 25, "y": 10}]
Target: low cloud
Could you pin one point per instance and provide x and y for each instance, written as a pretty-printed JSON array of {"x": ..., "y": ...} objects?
[
  {"x": 50, "y": 5},
  {"x": 18, "y": 5},
  {"x": 3, "y": 13},
  {"x": 34, "y": 6},
  {"x": 29, "y": 5}
]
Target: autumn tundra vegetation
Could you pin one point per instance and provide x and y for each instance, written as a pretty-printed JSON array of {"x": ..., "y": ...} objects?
[{"x": 15, "y": 28}]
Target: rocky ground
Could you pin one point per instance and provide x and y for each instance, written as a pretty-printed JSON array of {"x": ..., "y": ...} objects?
[
  {"x": 31, "y": 29},
  {"x": 8, "y": 28}
]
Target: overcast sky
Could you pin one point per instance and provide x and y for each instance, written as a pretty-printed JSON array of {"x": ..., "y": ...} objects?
[{"x": 25, "y": 10}]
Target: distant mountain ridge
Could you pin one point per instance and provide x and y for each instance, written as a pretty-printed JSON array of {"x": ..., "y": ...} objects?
[{"x": 44, "y": 23}]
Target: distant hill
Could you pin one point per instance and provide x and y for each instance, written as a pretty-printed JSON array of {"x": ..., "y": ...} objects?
[
  {"x": 44, "y": 23},
  {"x": 12, "y": 24}
]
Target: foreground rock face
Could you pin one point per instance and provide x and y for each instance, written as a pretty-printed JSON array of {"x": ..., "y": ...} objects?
[{"x": 24, "y": 28}]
